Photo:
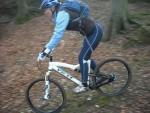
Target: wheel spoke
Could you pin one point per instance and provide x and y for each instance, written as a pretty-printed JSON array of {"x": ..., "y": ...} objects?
[
  {"x": 120, "y": 70},
  {"x": 35, "y": 97}
]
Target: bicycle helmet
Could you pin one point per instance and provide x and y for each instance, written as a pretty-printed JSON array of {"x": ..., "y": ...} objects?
[{"x": 49, "y": 3}]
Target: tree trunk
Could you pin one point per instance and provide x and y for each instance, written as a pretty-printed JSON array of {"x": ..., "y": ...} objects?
[
  {"x": 22, "y": 10},
  {"x": 119, "y": 18}
]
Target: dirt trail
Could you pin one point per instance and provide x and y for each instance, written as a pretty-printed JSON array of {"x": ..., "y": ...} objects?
[{"x": 19, "y": 49}]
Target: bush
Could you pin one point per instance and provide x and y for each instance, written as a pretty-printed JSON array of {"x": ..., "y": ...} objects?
[
  {"x": 144, "y": 35},
  {"x": 133, "y": 1},
  {"x": 11, "y": 9},
  {"x": 8, "y": 7},
  {"x": 29, "y": 15}
]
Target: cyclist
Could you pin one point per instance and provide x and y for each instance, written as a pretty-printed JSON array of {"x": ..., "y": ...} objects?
[{"x": 91, "y": 31}]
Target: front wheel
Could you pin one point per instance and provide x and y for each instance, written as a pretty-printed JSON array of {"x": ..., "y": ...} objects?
[
  {"x": 35, "y": 97},
  {"x": 121, "y": 73}
]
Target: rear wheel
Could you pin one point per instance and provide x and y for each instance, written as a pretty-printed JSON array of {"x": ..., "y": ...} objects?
[
  {"x": 35, "y": 97},
  {"x": 121, "y": 73}
]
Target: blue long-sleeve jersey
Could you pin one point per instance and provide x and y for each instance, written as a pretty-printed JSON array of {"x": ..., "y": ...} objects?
[{"x": 61, "y": 21}]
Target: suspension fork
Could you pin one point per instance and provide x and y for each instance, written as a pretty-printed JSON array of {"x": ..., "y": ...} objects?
[{"x": 47, "y": 86}]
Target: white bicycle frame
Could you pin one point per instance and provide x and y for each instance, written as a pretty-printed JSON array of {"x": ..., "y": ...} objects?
[{"x": 57, "y": 66}]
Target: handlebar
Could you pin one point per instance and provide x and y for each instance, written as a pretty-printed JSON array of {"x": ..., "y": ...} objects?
[
  {"x": 50, "y": 56},
  {"x": 39, "y": 63}
]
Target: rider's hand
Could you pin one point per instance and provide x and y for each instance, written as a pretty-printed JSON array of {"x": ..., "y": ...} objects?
[{"x": 42, "y": 55}]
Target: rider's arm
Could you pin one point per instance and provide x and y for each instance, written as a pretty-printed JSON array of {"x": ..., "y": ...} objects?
[{"x": 62, "y": 21}]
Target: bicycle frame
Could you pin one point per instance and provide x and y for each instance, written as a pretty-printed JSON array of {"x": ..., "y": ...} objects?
[
  {"x": 51, "y": 92},
  {"x": 57, "y": 66}
]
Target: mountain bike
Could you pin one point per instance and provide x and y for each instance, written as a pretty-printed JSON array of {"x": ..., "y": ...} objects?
[{"x": 46, "y": 95}]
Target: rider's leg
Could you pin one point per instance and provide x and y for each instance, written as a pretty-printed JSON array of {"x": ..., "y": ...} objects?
[
  {"x": 89, "y": 44},
  {"x": 93, "y": 64}
]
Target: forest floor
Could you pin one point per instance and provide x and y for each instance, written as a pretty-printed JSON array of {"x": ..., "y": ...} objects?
[{"x": 20, "y": 45}]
